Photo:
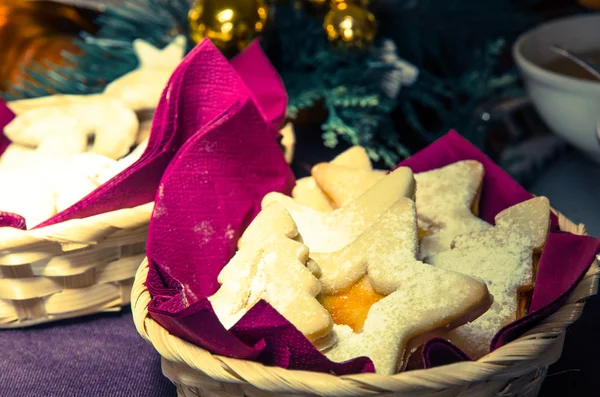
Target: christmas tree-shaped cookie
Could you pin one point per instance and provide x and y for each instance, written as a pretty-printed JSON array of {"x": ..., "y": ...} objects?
[{"x": 271, "y": 266}]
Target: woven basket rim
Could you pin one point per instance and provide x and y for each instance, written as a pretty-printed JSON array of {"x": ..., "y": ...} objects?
[
  {"x": 123, "y": 218},
  {"x": 509, "y": 361},
  {"x": 81, "y": 256}
]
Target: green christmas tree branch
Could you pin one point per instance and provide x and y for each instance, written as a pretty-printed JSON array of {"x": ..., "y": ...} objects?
[{"x": 454, "y": 79}]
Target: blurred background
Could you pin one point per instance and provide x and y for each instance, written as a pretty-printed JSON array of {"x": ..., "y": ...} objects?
[
  {"x": 345, "y": 92},
  {"x": 461, "y": 49}
]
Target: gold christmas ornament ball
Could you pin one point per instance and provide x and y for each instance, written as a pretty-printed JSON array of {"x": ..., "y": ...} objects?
[
  {"x": 229, "y": 24},
  {"x": 350, "y": 25}
]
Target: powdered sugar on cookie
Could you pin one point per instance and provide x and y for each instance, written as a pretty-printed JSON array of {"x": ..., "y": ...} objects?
[
  {"x": 420, "y": 298},
  {"x": 445, "y": 200},
  {"x": 308, "y": 192},
  {"x": 503, "y": 257},
  {"x": 381, "y": 253},
  {"x": 273, "y": 268},
  {"x": 343, "y": 184},
  {"x": 329, "y": 232}
]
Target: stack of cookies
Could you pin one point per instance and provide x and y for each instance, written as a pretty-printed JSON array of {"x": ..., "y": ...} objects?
[{"x": 369, "y": 263}]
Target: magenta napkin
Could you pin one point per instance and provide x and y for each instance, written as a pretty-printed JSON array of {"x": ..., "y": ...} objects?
[
  {"x": 214, "y": 87},
  {"x": 7, "y": 219},
  {"x": 565, "y": 259},
  {"x": 264, "y": 83},
  {"x": 137, "y": 185},
  {"x": 6, "y": 116},
  {"x": 193, "y": 234},
  {"x": 208, "y": 194}
]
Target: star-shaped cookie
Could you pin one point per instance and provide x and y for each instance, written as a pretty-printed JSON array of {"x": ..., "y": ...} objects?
[
  {"x": 141, "y": 88},
  {"x": 328, "y": 232},
  {"x": 151, "y": 57},
  {"x": 501, "y": 256},
  {"x": 416, "y": 300},
  {"x": 447, "y": 199},
  {"x": 271, "y": 266},
  {"x": 343, "y": 184},
  {"x": 288, "y": 141},
  {"x": 308, "y": 192}
]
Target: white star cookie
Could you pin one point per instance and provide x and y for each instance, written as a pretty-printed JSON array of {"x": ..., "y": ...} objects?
[
  {"x": 447, "y": 199},
  {"x": 142, "y": 88},
  {"x": 308, "y": 192},
  {"x": 343, "y": 184},
  {"x": 415, "y": 302},
  {"x": 272, "y": 267},
  {"x": 288, "y": 141},
  {"x": 502, "y": 256},
  {"x": 329, "y": 232}
]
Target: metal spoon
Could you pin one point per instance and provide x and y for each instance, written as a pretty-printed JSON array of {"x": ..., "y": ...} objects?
[{"x": 579, "y": 61}]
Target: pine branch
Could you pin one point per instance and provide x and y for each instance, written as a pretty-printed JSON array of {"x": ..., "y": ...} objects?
[{"x": 454, "y": 86}]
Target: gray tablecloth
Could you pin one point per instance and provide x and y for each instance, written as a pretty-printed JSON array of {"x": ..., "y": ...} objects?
[{"x": 102, "y": 355}]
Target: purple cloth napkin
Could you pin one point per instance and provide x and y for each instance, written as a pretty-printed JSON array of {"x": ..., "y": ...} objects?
[
  {"x": 565, "y": 259},
  {"x": 209, "y": 193},
  {"x": 194, "y": 230},
  {"x": 6, "y": 116},
  {"x": 8, "y": 219},
  {"x": 499, "y": 190},
  {"x": 214, "y": 88}
]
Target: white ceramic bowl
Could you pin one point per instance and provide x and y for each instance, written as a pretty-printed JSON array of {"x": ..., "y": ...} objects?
[{"x": 570, "y": 106}]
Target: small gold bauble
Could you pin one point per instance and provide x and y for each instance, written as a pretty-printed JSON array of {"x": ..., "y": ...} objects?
[
  {"x": 350, "y": 25},
  {"x": 229, "y": 24}
]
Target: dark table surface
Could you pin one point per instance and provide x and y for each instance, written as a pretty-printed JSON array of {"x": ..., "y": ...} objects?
[{"x": 102, "y": 355}]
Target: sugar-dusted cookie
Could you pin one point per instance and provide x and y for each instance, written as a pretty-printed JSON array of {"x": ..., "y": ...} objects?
[
  {"x": 16, "y": 156},
  {"x": 79, "y": 176},
  {"x": 343, "y": 184},
  {"x": 502, "y": 256},
  {"x": 272, "y": 221},
  {"x": 414, "y": 301},
  {"x": 271, "y": 266},
  {"x": 356, "y": 157},
  {"x": 288, "y": 141},
  {"x": 308, "y": 192},
  {"x": 446, "y": 199},
  {"x": 124, "y": 163},
  {"x": 28, "y": 193},
  {"x": 328, "y": 232},
  {"x": 113, "y": 125},
  {"x": 142, "y": 87}
]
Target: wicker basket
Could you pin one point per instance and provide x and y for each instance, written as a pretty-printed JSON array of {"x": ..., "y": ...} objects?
[
  {"x": 514, "y": 370},
  {"x": 70, "y": 269}
]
